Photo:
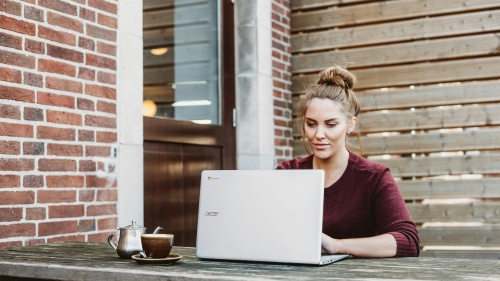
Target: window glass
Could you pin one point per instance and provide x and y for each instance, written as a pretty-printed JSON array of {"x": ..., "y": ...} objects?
[{"x": 181, "y": 60}]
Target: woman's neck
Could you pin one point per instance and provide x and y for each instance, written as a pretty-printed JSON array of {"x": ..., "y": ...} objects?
[{"x": 334, "y": 166}]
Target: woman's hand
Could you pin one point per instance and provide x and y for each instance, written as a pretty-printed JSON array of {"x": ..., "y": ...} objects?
[{"x": 381, "y": 246}]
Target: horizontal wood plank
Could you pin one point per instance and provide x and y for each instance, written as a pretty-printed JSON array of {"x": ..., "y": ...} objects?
[
  {"x": 492, "y": 254},
  {"x": 415, "y": 74},
  {"x": 434, "y": 95},
  {"x": 403, "y": 53},
  {"x": 428, "y": 119},
  {"x": 434, "y": 166},
  {"x": 410, "y": 30},
  {"x": 310, "y": 4},
  {"x": 486, "y": 236},
  {"x": 486, "y": 212},
  {"x": 377, "y": 11},
  {"x": 440, "y": 189}
]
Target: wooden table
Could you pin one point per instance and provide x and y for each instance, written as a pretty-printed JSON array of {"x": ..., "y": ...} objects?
[{"x": 84, "y": 261}]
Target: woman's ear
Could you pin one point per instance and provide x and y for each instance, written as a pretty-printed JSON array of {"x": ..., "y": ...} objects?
[{"x": 352, "y": 124}]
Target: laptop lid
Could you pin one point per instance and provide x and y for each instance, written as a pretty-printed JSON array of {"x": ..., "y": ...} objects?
[{"x": 261, "y": 215}]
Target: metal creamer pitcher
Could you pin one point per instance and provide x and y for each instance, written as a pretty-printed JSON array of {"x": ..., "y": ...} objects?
[{"x": 129, "y": 241}]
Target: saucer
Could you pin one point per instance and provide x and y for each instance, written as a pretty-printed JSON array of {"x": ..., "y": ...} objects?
[{"x": 170, "y": 259}]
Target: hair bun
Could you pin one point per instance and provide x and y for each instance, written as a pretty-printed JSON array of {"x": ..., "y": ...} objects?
[{"x": 337, "y": 75}]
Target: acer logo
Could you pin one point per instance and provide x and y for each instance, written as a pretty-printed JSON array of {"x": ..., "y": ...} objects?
[{"x": 211, "y": 214}]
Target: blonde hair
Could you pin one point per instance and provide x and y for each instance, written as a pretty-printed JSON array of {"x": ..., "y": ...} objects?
[{"x": 335, "y": 83}]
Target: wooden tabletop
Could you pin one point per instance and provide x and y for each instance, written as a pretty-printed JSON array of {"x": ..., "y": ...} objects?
[{"x": 84, "y": 261}]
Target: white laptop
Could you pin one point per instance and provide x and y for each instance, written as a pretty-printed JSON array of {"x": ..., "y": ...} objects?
[{"x": 262, "y": 215}]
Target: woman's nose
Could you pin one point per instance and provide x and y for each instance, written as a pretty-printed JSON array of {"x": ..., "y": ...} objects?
[{"x": 320, "y": 133}]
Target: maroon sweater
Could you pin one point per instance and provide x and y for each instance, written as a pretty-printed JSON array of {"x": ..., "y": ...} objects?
[{"x": 365, "y": 202}]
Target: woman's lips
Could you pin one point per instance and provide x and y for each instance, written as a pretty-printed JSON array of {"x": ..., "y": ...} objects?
[{"x": 321, "y": 145}]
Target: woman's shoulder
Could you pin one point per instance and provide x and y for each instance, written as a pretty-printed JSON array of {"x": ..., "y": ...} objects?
[
  {"x": 297, "y": 163},
  {"x": 363, "y": 164}
]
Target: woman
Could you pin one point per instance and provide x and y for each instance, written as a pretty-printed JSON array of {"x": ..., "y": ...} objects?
[{"x": 364, "y": 213}]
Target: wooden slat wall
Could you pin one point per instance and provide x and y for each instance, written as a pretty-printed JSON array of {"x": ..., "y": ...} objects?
[{"x": 429, "y": 85}]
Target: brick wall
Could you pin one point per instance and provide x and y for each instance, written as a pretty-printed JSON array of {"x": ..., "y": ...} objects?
[
  {"x": 58, "y": 133},
  {"x": 281, "y": 67}
]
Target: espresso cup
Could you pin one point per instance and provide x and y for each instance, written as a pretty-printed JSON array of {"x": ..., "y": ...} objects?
[{"x": 157, "y": 246}]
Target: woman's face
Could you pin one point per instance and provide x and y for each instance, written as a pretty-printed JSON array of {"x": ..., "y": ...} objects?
[{"x": 326, "y": 127}]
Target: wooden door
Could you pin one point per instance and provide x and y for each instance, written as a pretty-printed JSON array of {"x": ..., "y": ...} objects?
[{"x": 176, "y": 151}]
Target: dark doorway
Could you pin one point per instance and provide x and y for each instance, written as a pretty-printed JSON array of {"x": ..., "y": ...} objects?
[{"x": 176, "y": 150}]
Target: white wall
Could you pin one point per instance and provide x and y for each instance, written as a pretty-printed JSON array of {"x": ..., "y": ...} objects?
[{"x": 129, "y": 112}]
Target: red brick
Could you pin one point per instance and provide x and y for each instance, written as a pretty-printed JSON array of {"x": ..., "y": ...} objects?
[
  {"x": 56, "y": 67},
  {"x": 33, "y": 242},
  {"x": 57, "y": 227},
  {"x": 55, "y": 100},
  {"x": 65, "y": 181},
  {"x": 106, "y": 137},
  {"x": 17, "y": 94},
  {"x": 106, "y": 107},
  {"x": 101, "y": 62},
  {"x": 10, "y": 147},
  {"x": 64, "y": 53},
  {"x": 56, "y": 165},
  {"x": 100, "y": 91},
  {"x": 56, "y": 36},
  {"x": 86, "y": 225},
  {"x": 33, "y": 114},
  {"x": 100, "y": 121},
  {"x": 72, "y": 238},
  {"x": 10, "y": 7},
  {"x": 60, "y": 6},
  {"x": 63, "y": 84},
  {"x": 11, "y": 75},
  {"x": 17, "y": 230},
  {"x": 87, "y": 166},
  {"x": 95, "y": 181},
  {"x": 10, "y": 111},
  {"x": 107, "y": 195},
  {"x": 36, "y": 213},
  {"x": 16, "y": 164},
  {"x": 64, "y": 149},
  {"x": 16, "y": 130},
  {"x": 107, "y": 21},
  {"x": 85, "y": 104},
  {"x": 44, "y": 132},
  {"x": 86, "y": 43},
  {"x": 87, "y": 14},
  {"x": 107, "y": 49},
  {"x": 16, "y": 59},
  {"x": 107, "y": 223},
  {"x": 10, "y": 244},
  {"x": 104, "y": 6},
  {"x": 66, "y": 211},
  {"x": 85, "y": 135},
  {"x": 33, "y": 79},
  {"x": 33, "y": 148},
  {"x": 11, "y": 41},
  {"x": 62, "y": 117},
  {"x": 10, "y": 181},
  {"x": 99, "y": 237},
  {"x": 11, "y": 214},
  {"x": 102, "y": 151},
  {"x": 33, "y": 46},
  {"x": 108, "y": 78},
  {"x": 17, "y": 25},
  {"x": 86, "y": 73},
  {"x": 16, "y": 198},
  {"x": 101, "y": 210},
  {"x": 33, "y": 181},
  {"x": 33, "y": 13},
  {"x": 56, "y": 196},
  {"x": 65, "y": 22},
  {"x": 86, "y": 195}
]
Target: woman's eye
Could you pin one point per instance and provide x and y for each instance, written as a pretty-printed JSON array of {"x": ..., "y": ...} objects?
[
  {"x": 331, "y": 125},
  {"x": 310, "y": 125}
]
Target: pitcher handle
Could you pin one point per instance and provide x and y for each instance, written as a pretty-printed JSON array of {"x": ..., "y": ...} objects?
[{"x": 111, "y": 242}]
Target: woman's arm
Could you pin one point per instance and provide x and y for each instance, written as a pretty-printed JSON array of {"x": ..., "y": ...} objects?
[{"x": 381, "y": 246}]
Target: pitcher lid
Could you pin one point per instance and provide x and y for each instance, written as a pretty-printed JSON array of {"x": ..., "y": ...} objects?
[{"x": 133, "y": 226}]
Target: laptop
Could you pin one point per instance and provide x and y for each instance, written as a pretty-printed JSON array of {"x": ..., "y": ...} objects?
[{"x": 262, "y": 216}]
